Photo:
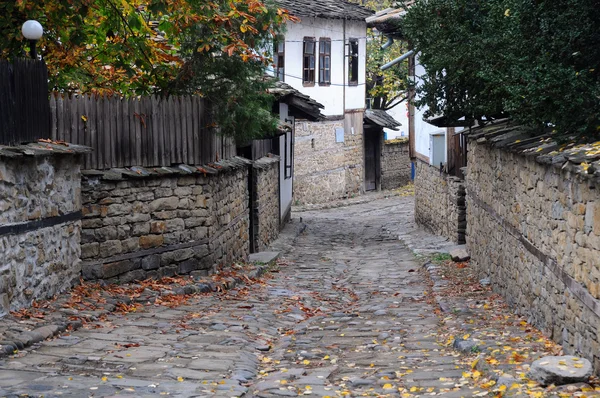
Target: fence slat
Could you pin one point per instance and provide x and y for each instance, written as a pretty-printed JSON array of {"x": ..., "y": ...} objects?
[{"x": 156, "y": 137}]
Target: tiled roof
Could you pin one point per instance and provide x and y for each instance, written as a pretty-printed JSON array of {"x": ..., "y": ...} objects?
[
  {"x": 285, "y": 93},
  {"x": 331, "y": 9},
  {"x": 387, "y": 21},
  {"x": 381, "y": 118}
]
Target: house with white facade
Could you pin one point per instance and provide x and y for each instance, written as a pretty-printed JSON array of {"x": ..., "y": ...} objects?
[{"x": 324, "y": 57}]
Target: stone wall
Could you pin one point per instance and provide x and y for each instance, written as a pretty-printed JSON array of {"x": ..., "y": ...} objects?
[
  {"x": 40, "y": 211},
  {"x": 323, "y": 168},
  {"x": 534, "y": 230},
  {"x": 266, "y": 201},
  {"x": 440, "y": 202},
  {"x": 395, "y": 164},
  {"x": 137, "y": 228}
]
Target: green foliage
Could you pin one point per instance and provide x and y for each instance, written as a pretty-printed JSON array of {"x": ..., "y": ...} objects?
[
  {"x": 386, "y": 88},
  {"x": 137, "y": 47},
  {"x": 533, "y": 60}
]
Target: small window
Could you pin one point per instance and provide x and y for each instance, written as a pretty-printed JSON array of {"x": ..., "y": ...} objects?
[
  {"x": 324, "y": 61},
  {"x": 279, "y": 58},
  {"x": 289, "y": 152},
  {"x": 308, "y": 64},
  {"x": 353, "y": 62}
]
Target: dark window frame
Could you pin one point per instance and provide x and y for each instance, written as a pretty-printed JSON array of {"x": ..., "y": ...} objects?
[
  {"x": 324, "y": 53},
  {"x": 289, "y": 143},
  {"x": 279, "y": 58},
  {"x": 353, "y": 51},
  {"x": 308, "y": 72}
]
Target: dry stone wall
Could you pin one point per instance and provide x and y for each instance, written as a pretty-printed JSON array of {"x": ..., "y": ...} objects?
[
  {"x": 440, "y": 204},
  {"x": 40, "y": 211},
  {"x": 395, "y": 165},
  {"x": 323, "y": 168},
  {"x": 266, "y": 201},
  {"x": 534, "y": 230},
  {"x": 152, "y": 227}
]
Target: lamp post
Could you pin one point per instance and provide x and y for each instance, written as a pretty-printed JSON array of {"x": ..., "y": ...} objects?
[{"x": 32, "y": 30}]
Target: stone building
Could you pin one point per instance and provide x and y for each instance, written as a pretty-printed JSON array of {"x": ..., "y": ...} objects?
[{"x": 324, "y": 56}]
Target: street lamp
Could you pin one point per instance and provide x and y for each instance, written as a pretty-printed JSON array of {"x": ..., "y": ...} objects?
[{"x": 32, "y": 31}]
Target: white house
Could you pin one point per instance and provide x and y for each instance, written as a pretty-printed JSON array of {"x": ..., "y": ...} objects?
[{"x": 324, "y": 57}]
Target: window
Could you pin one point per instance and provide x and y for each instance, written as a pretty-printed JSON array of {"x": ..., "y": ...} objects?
[
  {"x": 308, "y": 64},
  {"x": 279, "y": 58},
  {"x": 353, "y": 62},
  {"x": 324, "y": 61}
]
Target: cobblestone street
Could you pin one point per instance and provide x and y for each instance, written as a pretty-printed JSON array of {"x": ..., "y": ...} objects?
[{"x": 347, "y": 312}]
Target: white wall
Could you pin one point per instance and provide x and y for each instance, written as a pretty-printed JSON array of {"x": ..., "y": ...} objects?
[
  {"x": 330, "y": 96},
  {"x": 400, "y": 113},
  {"x": 422, "y": 129},
  {"x": 285, "y": 187}
]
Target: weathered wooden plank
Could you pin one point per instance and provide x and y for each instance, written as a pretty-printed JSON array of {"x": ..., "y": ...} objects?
[
  {"x": 93, "y": 131},
  {"x": 53, "y": 133},
  {"x": 156, "y": 132},
  {"x": 74, "y": 137},
  {"x": 138, "y": 133},
  {"x": 87, "y": 159},
  {"x": 189, "y": 131},
  {"x": 107, "y": 137},
  {"x": 60, "y": 118},
  {"x": 125, "y": 137},
  {"x": 172, "y": 132},
  {"x": 196, "y": 129},
  {"x": 131, "y": 128},
  {"x": 178, "y": 129},
  {"x": 100, "y": 132}
]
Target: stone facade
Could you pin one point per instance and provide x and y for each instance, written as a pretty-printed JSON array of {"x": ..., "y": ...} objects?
[
  {"x": 266, "y": 202},
  {"x": 534, "y": 230},
  {"x": 153, "y": 227},
  {"x": 440, "y": 202},
  {"x": 395, "y": 165},
  {"x": 323, "y": 168},
  {"x": 39, "y": 228}
]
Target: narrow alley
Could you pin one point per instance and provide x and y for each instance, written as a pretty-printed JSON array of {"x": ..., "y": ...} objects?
[{"x": 347, "y": 312}]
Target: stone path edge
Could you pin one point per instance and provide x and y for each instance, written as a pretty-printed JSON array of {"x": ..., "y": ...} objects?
[{"x": 28, "y": 338}]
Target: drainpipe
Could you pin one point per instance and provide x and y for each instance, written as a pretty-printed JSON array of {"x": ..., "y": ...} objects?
[
  {"x": 399, "y": 59},
  {"x": 388, "y": 44},
  {"x": 344, "y": 60}
]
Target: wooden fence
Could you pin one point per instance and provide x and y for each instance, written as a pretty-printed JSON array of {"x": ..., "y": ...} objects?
[
  {"x": 24, "y": 108},
  {"x": 147, "y": 131}
]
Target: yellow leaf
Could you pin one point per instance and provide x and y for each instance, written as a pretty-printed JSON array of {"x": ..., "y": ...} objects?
[
  {"x": 84, "y": 118},
  {"x": 474, "y": 363},
  {"x": 578, "y": 365},
  {"x": 326, "y": 357},
  {"x": 507, "y": 12},
  {"x": 502, "y": 388},
  {"x": 308, "y": 388},
  {"x": 104, "y": 378},
  {"x": 476, "y": 375},
  {"x": 306, "y": 362},
  {"x": 387, "y": 386},
  {"x": 466, "y": 336},
  {"x": 243, "y": 28},
  {"x": 119, "y": 377},
  {"x": 413, "y": 389},
  {"x": 179, "y": 378}
]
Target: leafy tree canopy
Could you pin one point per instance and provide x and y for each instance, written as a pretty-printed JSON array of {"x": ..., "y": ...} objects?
[
  {"x": 536, "y": 61},
  {"x": 135, "y": 47},
  {"x": 387, "y": 88}
]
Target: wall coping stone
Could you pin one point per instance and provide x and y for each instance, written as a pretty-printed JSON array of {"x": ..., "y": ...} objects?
[
  {"x": 42, "y": 148},
  {"x": 582, "y": 160},
  {"x": 118, "y": 174}
]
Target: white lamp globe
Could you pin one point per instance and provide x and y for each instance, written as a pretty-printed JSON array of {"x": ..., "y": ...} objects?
[{"x": 32, "y": 30}]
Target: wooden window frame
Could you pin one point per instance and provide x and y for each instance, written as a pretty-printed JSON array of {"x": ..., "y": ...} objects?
[
  {"x": 324, "y": 53},
  {"x": 280, "y": 55},
  {"x": 308, "y": 73},
  {"x": 353, "y": 58}
]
